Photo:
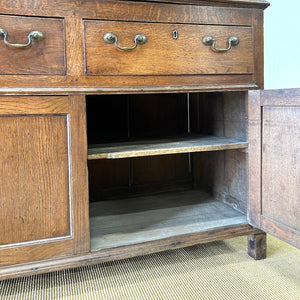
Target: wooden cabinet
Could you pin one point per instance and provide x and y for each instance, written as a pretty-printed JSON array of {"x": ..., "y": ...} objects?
[{"x": 109, "y": 153}]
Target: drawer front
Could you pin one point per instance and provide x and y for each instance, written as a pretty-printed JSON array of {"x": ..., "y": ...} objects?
[
  {"x": 40, "y": 57},
  {"x": 163, "y": 53}
]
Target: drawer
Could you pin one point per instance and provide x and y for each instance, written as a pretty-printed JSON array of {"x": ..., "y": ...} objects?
[
  {"x": 40, "y": 57},
  {"x": 170, "y": 49}
]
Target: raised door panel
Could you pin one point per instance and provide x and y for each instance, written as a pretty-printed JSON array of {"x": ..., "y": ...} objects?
[
  {"x": 38, "y": 200},
  {"x": 34, "y": 187},
  {"x": 275, "y": 176}
]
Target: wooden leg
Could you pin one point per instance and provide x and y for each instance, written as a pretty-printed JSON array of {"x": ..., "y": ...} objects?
[{"x": 257, "y": 246}]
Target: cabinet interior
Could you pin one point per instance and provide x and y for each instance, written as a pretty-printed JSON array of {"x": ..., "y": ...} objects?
[{"x": 164, "y": 165}]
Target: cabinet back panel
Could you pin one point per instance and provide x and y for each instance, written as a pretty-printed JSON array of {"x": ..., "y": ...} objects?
[
  {"x": 113, "y": 179},
  {"x": 158, "y": 115},
  {"x": 108, "y": 173},
  {"x": 107, "y": 118},
  {"x": 164, "y": 168},
  {"x": 123, "y": 117}
]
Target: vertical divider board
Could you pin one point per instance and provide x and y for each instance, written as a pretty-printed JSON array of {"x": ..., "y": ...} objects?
[{"x": 80, "y": 191}]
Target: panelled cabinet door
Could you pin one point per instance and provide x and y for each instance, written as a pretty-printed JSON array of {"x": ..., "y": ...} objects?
[
  {"x": 43, "y": 212},
  {"x": 274, "y": 163}
]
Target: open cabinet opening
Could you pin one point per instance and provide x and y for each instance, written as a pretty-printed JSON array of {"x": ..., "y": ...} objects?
[{"x": 165, "y": 165}]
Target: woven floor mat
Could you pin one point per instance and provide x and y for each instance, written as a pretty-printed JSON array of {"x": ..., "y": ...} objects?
[{"x": 219, "y": 270}]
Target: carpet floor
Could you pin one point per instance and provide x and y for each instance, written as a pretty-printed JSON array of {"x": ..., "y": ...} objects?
[{"x": 219, "y": 270}]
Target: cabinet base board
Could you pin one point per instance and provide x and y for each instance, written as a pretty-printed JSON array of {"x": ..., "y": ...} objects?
[{"x": 106, "y": 255}]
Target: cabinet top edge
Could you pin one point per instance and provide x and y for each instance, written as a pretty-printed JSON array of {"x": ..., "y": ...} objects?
[{"x": 253, "y": 3}]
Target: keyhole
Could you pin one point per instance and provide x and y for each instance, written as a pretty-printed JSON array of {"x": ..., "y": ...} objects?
[{"x": 175, "y": 34}]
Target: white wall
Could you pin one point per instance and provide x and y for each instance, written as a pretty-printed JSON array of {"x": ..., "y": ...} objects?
[{"x": 282, "y": 44}]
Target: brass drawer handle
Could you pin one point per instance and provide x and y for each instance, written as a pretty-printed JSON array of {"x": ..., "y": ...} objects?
[
  {"x": 139, "y": 39},
  {"x": 35, "y": 36},
  {"x": 210, "y": 41}
]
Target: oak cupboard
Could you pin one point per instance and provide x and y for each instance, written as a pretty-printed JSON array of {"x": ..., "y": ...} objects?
[{"x": 131, "y": 127}]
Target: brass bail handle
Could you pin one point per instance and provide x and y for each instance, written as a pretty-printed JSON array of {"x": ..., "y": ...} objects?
[
  {"x": 35, "y": 36},
  {"x": 210, "y": 41},
  {"x": 139, "y": 39}
]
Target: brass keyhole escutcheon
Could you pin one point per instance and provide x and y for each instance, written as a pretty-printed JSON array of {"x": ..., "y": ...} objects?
[{"x": 175, "y": 34}]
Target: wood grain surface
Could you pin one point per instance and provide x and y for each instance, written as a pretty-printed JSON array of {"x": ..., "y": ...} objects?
[
  {"x": 204, "y": 11},
  {"x": 44, "y": 266},
  {"x": 274, "y": 167},
  {"x": 257, "y": 245},
  {"x": 43, "y": 186},
  {"x": 43, "y": 57},
  {"x": 61, "y": 66},
  {"x": 281, "y": 164},
  {"x": 163, "y": 55},
  {"x": 29, "y": 160}
]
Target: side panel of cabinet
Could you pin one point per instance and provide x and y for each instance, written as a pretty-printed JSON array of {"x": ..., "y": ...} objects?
[
  {"x": 43, "y": 189},
  {"x": 274, "y": 163}
]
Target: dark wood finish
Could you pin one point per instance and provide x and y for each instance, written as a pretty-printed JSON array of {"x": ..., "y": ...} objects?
[
  {"x": 276, "y": 125},
  {"x": 257, "y": 246},
  {"x": 125, "y": 252},
  {"x": 108, "y": 173},
  {"x": 39, "y": 189},
  {"x": 107, "y": 118},
  {"x": 43, "y": 57},
  {"x": 149, "y": 169},
  {"x": 157, "y": 116},
  {"x": 162, "y": 55}
]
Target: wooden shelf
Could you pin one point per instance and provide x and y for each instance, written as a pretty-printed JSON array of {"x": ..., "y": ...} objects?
[
  {"x": 164, "y": 146},
  {"x": 149, "y": 218}
]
